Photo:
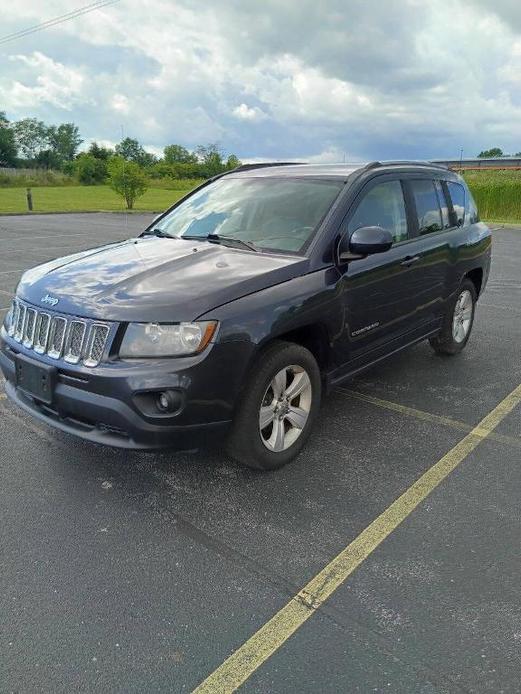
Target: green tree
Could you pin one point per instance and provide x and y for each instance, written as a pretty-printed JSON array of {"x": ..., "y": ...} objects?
[
  {"x": 89, "y": 169},
  {"x": 64, "y": 141},
  {"x": 493, "y": 153},
  {"x": 131, "y": 150},
  {"x": 127, "y": 178},
  {"x": 147, "y": 159},
  {"x": 48, "y": 159},
  {"x": 8, "y": 148},
  {"x": 232, "y": 162},
  {"x": 31, "y": 136},
  {"x": 211, "y": 158},
  {"x": 103, "y": 153},
  {"x": 176, "y": 154}
]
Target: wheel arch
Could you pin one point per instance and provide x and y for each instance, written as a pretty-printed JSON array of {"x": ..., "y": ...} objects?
[
  {"x": 476, "y": 277},
  {"x": 313, "y": 336}
]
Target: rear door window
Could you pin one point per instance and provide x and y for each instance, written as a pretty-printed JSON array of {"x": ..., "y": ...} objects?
[
  {"x": 428, "y": 210},
  {"x": 457, "y": 194},
  {"x": 382, "y": 206}
]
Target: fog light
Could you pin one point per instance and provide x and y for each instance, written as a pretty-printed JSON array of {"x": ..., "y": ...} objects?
[{"x": 167, "y": 401}]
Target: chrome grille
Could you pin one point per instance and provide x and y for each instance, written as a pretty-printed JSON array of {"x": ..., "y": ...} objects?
[
  {"x": 60, "y": 337},
  {"x": 19, "y": 325},
  {"x": 96, "y": 344},
  {"x": 14, "y": 318},
  {"x": 29, "y": 325},
  {"x": 57, "y": 336},
  {"x": 74, "y": 343},
  {"x": 43, "y": 323}
]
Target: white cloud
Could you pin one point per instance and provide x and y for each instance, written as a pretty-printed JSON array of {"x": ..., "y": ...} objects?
[
  {"x": 54, "y": 83},
  {"x": 401, "y": 78},
  {"x": 120, "y": 103},
  {"x": 247, "y": 113}
]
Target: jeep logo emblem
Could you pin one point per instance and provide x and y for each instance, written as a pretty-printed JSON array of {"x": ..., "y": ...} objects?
[{"x": 49, "y": 300}]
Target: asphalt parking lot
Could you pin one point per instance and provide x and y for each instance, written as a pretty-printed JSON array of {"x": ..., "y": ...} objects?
[{"x": 133, "y": 572}]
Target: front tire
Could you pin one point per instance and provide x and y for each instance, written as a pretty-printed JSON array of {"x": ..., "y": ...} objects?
[
  {"x": 457, "y": 322},
  {"x": 277, "y": 408}
]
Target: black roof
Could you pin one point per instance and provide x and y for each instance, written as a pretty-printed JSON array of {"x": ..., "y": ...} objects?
[{"x": 326, "y": 170}]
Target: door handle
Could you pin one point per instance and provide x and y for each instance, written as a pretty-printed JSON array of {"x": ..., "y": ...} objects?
[{"x": 409, "y": 260}]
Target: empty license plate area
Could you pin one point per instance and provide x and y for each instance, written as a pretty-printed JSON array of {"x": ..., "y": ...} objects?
[{"x": 35, "y": 379}]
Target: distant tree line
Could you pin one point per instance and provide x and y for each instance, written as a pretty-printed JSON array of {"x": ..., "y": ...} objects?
[
  {"x": 31, "y": 143},
  {"x": 496, "y": 153}
]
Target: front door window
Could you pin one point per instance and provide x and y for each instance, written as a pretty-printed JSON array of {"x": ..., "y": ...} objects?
[{"x": 382, "y": 206}]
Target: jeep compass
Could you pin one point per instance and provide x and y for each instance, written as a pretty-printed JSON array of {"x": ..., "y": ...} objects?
[{"x": 237, "y": 309}]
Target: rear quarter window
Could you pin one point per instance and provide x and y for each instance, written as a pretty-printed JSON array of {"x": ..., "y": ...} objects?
[{"x": 472, "y": 209}]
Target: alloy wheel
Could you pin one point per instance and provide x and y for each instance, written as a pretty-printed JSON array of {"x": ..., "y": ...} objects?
[
  {"x": 285, "y": 408},
  {"x": 462, "y": 316}
]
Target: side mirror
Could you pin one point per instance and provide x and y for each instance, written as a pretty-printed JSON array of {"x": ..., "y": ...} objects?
[{"x": 365, "y": 241}]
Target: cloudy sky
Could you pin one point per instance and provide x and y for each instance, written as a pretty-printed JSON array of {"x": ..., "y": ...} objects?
[{"x": 312, "y": 79}]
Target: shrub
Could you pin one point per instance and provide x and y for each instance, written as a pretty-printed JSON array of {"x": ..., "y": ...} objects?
[
  {"x": 127, "y": 179},
  {"x": 90, "y": 170}
]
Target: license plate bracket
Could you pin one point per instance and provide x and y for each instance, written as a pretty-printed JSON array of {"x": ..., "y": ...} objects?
[{"x": 35, "y": 379}]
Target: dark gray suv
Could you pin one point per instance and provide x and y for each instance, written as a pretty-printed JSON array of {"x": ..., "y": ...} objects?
[{"x": 241, "y": 305}]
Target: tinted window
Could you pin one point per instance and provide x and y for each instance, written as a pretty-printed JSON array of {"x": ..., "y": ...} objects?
[
  {"x": 443, "y": 205},
  {"x": 472, "y": 209},
  {"x": 383, "y": 206},
  {"x": 457, "y": 194},
  {"x": 275, "y": 213},
  {"x": 427, "y": 206}
]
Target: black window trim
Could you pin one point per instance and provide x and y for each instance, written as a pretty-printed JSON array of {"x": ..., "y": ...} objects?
[{"x": 440, "y": 190}]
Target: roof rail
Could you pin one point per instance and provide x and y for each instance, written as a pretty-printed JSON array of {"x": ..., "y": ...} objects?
[
  {"x": 266, "y": 164},
  {"x": 413, "y": 162},
  {"x": 372, "y": 165}
]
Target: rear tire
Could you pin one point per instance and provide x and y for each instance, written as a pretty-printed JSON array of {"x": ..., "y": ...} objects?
[
  {"x": 277, "y": 408},
  {"x": 457, "y": 322}
]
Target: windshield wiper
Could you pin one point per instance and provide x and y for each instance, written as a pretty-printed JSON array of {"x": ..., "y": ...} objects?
[
  {"x": 157, "y": 232},
  {"x": 230, "y": 241}
]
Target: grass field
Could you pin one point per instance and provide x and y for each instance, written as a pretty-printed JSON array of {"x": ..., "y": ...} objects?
[
  {"x": 497, "y": 193},
  {"x": 88, "y": 198}
]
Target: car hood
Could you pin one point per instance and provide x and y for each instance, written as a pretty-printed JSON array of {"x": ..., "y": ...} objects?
[{"x": 155, "y": 279}]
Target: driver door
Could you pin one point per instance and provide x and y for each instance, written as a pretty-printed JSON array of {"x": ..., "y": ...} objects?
[{"x": 380, "y": 293}]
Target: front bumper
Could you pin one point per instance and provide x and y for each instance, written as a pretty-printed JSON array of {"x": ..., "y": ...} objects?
[{"x": 100, "y": 404}]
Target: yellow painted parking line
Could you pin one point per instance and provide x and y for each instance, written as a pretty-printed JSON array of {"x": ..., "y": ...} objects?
[
  {"x": 270, "y": 637},
  {"x": 425, "y": 416}
]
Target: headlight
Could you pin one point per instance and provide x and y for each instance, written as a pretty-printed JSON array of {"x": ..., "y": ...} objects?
[{"x": 166, "y": 340}]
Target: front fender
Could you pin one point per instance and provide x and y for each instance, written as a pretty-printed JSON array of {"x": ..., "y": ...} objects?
[{"x": 312, "y": 299}]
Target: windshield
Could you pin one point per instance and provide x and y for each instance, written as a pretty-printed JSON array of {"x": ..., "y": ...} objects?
[{"x": 270, "y": 213}]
